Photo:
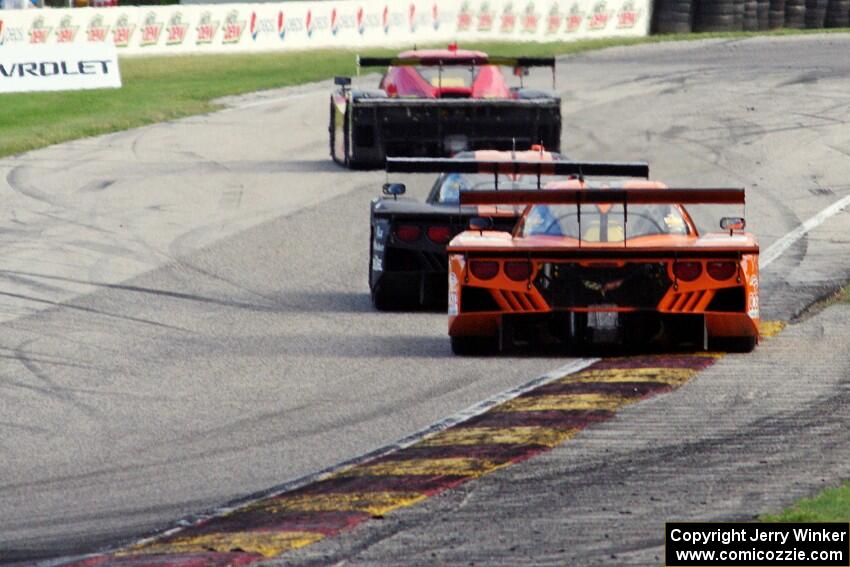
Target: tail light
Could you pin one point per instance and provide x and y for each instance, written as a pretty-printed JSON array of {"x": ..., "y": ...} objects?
[
  {"x": 439, "y": 234},
  {"x": 687, "y": 271},
  {"x": 408, "y": 232},
  {"x": 518, "y": 271},
  {"x": 484, "y": 270},
  {"x": 721, "y": 270}
]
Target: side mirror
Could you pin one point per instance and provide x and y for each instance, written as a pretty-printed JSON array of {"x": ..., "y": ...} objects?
[
  {"x": 733, "y": 223},
  {"x": 394, "y": 189},
  {"x": 480, "y": 223},
  {"x": 342, "y": 81}
]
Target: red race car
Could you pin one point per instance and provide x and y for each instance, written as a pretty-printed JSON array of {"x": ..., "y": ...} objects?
[
  {"x": 438, "y": 103},
  {"x": 595, "y": 263}
]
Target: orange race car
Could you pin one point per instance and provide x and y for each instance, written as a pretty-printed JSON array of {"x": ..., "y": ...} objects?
[{"x": 591, "y": 262}]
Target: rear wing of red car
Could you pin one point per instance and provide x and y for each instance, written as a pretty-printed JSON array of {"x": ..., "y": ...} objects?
[
  {"x": 682, "y": 196},
  {"x": 518, "y": 167},
  {"x": 517, "y": 63},
  {"x": 455, "y": 61}
]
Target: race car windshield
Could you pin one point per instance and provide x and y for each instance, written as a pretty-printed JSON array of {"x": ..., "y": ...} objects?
[
  {"x": 450, "y": 77},
  {"x": 453, "y": 183},
  {"x": 604, "y": 223}
]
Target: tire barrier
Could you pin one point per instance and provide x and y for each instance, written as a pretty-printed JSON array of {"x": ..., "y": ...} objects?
[
  {"x": 683, "y": 16},
  {"x": 776, "y": 17},
  {"x": 837, "y": 14},
  {"x": 673, "y": 16},
  {"x": 764, "y": 14},
  {"x": 815, "y": 13},
  {"x": 795, "y": 14},
  {"x": 751, "y": 20}
]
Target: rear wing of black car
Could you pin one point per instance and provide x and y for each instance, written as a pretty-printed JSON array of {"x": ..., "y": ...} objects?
[{"x": 518, "y": 167}]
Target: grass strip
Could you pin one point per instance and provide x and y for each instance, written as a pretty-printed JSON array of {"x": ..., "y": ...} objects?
[
  {"x": 831, "y": 505},
  {"x": 157, "y": 89}
]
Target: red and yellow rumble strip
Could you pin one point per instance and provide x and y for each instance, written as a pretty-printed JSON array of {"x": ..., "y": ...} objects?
[{"x": 511, "y": 432}]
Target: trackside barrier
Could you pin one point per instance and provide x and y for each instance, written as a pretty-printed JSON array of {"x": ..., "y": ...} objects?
[{"x": 220, "y": 28}]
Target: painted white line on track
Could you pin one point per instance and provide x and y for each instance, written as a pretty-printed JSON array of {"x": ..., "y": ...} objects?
[
  {"x": 783, "y": 244},
  {"x": 575, "y": 365}
]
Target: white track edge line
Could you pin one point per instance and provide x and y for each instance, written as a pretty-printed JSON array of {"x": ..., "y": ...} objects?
[
  {"x": 779, "y": 247},
  {"x": 576, "y": 365}
]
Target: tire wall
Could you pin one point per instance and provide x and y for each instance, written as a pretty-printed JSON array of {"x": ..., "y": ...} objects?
[{"x": 684, "y": 16}]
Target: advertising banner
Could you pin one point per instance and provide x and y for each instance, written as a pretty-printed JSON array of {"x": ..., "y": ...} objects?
[
  {"x": 31, "y": 68},
  {"x": 308, "y": 25}
]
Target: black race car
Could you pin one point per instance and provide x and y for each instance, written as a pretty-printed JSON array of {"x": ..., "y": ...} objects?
[{"x": 408, "y": 266}]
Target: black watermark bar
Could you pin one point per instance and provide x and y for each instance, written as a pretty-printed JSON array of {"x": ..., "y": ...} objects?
[{"x": 757, "y": 544}]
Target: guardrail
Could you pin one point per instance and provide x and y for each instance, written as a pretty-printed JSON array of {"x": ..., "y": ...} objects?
[{"x": 306, "y": 25}]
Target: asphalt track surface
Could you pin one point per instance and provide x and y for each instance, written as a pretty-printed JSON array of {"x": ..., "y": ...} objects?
[{"x": 186, "y": 322}]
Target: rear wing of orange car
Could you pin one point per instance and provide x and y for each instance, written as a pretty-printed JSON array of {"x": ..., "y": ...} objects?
[
  {"x": 624, "y": 197},
  {"x": 517, "y": 167},
  {"x": 682, "y": 196}
]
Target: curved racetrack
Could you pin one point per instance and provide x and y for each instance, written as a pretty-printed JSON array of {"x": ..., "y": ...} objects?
[{"x": 186, "y": 321}]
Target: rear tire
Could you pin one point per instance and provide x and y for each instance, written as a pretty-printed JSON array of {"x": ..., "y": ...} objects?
[
  {"x": 346, "y": 133},
  {"x": 388, "y": 297},
  {"x": 472, "y": 346},
  {"x": 733, "y": 344}
]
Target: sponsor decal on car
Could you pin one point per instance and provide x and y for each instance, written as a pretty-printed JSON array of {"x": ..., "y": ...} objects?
[
  {"x": 380, "y": 237},
  {"x": 175, "y": 32},
  {"x": 39, "y": 32},
  {"x": 554, "y": 19},
  {"x": 122, "y": 31},
  {"x": 453, "y": 294},
  {"x": 206, "y": 29},
  {"x": 530, "y": 19},
  {"x": 628, "y": 16},
  {"x": 508, "y": 22},
  {"x": 151, "y": 30},
  {"x": 753, "y": 299},
  {"x": 599, "y": 17},
  {"x": 66, "y": 32},
  {"x": 485, "y": 17}
]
